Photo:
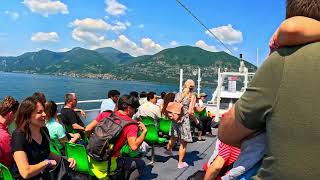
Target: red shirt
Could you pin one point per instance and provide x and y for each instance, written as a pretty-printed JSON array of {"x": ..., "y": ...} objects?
[
  {"x": 228, "y": 153},
  {"x": 5, "y": 149},
  {"x": 128, "y": 131}
]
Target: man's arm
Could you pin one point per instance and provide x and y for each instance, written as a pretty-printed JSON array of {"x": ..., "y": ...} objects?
[
  {"x": 135, "y": 142},
  {"x": 251, "y": 111},
  {"x": 231, "y": 131},
  {"x": 77, "y": 127},
  {"x": 90, "y": 127}
]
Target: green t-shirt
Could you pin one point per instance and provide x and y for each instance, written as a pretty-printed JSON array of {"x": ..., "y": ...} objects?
[
  {"x": 283, "y": 97},
  {"x": 56, "y": 131}
]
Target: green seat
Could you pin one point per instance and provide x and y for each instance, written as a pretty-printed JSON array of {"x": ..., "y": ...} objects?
[
  {"x": 5, "y": 173},
  {"x": 147, "y": 120},
  {"x": 79, "y": 154},
  {"x": 165, "y": 125},
  {"x": 54, "y": 147},
  {"x": 127, "y": 152},
  {"x": 153, "y": 138}
]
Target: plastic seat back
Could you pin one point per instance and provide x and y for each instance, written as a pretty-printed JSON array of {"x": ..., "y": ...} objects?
[
  {"x": 152, "y": 134},
  {"x": 147, "y": 120},
  {"x": 165, "y": 125},
  {"x": 127, "y": 152},
  {"x": 79, "y": 154},
  {"x": 54, "y": 148},
  {"x": 5, "y": 173}
]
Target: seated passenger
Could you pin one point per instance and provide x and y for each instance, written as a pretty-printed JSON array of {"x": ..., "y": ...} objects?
[
  {"x": 142, "y": 97},
  {"x": 149, "y": 108},
  {"x": 69, "y": 117},
  {"x": 226, "y": 156},
  {"x": 30, "y": 145},
  {"x": 126, "y": 108},
  {"x": 110, "y": 103},
  {"x": 8, "y": 107},
  {"x": 56, "y": 130},
  {"x": 201, "y": 113}
]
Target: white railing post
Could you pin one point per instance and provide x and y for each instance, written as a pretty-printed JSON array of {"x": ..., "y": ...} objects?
[
  {"x": 181, "y": 80},
  {"x": 199, "y": 80}
]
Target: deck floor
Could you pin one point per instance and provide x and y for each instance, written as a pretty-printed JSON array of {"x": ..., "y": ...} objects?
[{"x": 165, "y": 168}]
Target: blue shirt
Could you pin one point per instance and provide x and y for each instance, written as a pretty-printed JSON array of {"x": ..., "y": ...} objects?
[{"x": 56, "y": 131}]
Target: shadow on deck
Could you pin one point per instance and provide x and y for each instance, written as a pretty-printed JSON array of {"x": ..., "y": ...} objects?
[{"x": 165, "y": 167}]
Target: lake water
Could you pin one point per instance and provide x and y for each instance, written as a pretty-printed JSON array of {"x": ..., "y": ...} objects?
[{"x": 21, "y": 85}]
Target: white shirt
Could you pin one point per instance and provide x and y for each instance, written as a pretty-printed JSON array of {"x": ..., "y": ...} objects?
[
  {"x": 148, "y": 109},
  {"x": 107, "y": 104}
]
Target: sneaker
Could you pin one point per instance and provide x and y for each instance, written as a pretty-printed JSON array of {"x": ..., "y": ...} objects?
[{"x": 182, "y": 165}]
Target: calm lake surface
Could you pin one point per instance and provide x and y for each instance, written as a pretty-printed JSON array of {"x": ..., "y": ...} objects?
[{"x": 21, "y": 85}]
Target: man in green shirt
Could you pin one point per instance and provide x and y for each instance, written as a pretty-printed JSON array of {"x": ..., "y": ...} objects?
[{"x": 283, "y": 98}]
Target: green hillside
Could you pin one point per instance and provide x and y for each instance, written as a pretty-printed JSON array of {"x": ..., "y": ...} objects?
[{"x": 109, "y": 63}]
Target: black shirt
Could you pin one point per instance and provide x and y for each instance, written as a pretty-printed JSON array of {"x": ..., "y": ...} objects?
[
  {"x": 36, "y": 153},
  {"x": 70, "y": 117}
]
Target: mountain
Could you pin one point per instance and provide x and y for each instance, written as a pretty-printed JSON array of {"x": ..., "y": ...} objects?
[
  {"x": 77, "y": 60},
  {"x": 165, "y": 66},
  {"x": 116, "y": 55},
  {"x": 110, "y": 63}
]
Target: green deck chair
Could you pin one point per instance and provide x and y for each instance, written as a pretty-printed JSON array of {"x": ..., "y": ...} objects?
[
  {"x": 79, "y": 154},
  {"x": 153, "y": 138},
  {"x": 127, "y": 152},
  {"x": 147, "y": 120},
  {"x": 54, "y": 148},
  {"x": 5, "y": 173},
  {"x": 165, "y": 125}
]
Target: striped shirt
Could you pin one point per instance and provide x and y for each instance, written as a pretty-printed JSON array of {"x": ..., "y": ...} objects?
[{"x": 228, "y": 153}]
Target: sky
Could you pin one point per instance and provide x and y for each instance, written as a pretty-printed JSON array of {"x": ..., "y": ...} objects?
[{"x": 139, "y": 27}]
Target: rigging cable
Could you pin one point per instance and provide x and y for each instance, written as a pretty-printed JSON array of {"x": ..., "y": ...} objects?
[{"x": 202, "y": 24}]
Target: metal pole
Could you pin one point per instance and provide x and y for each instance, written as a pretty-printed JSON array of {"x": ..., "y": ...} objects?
[
  {"x": 220, "y": 80},
  {"x": 181, "y": 80},
  {"x": 199, "y": 80}
]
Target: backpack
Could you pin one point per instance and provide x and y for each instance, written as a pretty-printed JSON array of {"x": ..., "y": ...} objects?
[{"x": 103, "y": 139}]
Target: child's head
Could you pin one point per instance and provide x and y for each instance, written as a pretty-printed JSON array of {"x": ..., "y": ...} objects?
[
  {"x": 307, "y": 8},
  {"x": 174, "y": 110}
]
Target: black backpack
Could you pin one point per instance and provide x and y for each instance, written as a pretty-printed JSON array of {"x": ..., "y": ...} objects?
[{"x": 103, "y": 139}]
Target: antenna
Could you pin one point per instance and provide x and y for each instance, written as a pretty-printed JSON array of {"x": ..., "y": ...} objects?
[{"x": 257, "y": 57}]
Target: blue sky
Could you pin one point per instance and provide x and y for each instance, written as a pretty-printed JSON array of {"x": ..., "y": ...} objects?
[{"x": 138, "y": 27}]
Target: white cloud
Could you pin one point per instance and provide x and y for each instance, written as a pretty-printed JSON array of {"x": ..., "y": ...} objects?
[
  {"x": 124, "y": 44},
  {"x": 149, "y": 46},
  {"x": 227, "y": 34},
  {"x": 87, "y": 37},
  {"x": 98, "y": 25},
  {"x": 174, "y": 43},
  {"x": 64, "y": 49},
  {"x": 141, "y": 26},
  {"x": 201, "y": 44},
  {"x": 114, "y": 8},
  {"x": 13, "y": 15},
  {"x": 45, "y": 37},
  {"x": 235, "y": 49},
  {"x": 46, "y": 7}
]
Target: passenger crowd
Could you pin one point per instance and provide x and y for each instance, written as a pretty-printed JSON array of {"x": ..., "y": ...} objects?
[{"x": 270, "y": 132}]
